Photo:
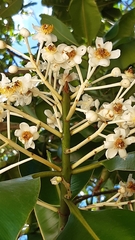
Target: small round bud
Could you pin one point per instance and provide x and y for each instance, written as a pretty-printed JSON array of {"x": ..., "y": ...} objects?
[
  {"x": 91, "y": 116},
  {"x": 13, "y": 69},
  {"x": 25, "y": 32},
  {"x": 3, "y": 45},
  {"x": 116, "y": 72},
  {"x": 55, "y": 180},
  {"x": 125, "y": 83}
]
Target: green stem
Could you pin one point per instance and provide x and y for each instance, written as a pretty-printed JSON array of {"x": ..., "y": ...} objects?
[{"x": 66, "y": 169}]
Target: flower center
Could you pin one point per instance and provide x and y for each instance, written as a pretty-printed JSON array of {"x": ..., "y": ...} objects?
[
  {"x": 26, "y": 135},
  {"x": 51, "y": 48},
  {"x": 71, "y": 54},
  {"x": 117, "y": 108},
  {"x": 101, "y": 53},
  {"x": 46, "y": 28},
  {"x": 131, "y": 186},
  {"x": 129, "y": 73},
  {"x": 119, "y": 143}
]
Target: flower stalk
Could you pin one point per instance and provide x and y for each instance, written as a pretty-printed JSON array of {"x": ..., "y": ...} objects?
[{"x": 66, "y": 169}]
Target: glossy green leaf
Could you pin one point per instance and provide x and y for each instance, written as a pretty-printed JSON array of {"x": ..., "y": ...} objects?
[
  {"x": 108, "y": 224},
  {"x": 13, "y": 7},
  {"x": 18, "y": 197},
  {"x": 118, "y": 163},
  {"x": 60, "y": 29},
  {"x": 48, "y": 222},
  {"x": 126, "y": 58},
  {"x": 78, "y": 181},
  {"x": 77, "y": 213},
  {"x": 86, "y": 19},
  {"x": 123, "y": 28}
]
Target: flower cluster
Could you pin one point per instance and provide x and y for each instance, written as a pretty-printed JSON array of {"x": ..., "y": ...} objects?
[
  {"x": 57, "y": 66},
  {"x": 19, "y": 90}
]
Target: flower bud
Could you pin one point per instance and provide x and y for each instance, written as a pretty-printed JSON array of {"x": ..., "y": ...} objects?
[
  {"x": 13, "y": 69},
  {"x": 91, "y": 116},
  {"x": 55, "y": 180},
  {"x": 3, "y": 45},
  {"x": 125, "y": 83},
  {"x": 25, "y": 32},
  {"x": 116, "y": 72}
]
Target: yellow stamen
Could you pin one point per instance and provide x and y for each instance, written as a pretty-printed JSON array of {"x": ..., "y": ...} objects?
[
  {"x": 119, "y": 143},
  {"x": 71, "y": 54},
  {"x": 27, "y": 135},
  {"x": 101, "y": 53},
  {"x": 46, "y": 28},
  {"x": 118, "y": 108}
]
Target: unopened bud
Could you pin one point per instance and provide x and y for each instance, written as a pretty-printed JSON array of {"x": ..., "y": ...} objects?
[
  {"x": 25, "y": 32},
  {"x": 91, "y": 116},
  {"x": 116, "y": 72},
  {"x": 13, "y": 69},
  {"x": 125, "y": 83}
]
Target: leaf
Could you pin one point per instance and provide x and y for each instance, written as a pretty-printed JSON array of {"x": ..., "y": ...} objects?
[
  {"x": 124, "y": 27},
  {"x": 13, "y": 7},
  {"x": 117, "y": 163},
  {"x": 75, "y": 211},
  {"x": 88, "y": 21},
  {"x": 48, "y": 222},
  {"x": 18, "y": 197},
  {"x": 108, "y": 224},
  {"x": 60, "y": 29},
  {"x": 126, "y": 58},
  {"x": 78, "y": 181}
]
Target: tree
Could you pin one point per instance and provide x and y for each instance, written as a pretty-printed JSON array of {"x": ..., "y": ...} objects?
[{"x": 67, "y": 124}]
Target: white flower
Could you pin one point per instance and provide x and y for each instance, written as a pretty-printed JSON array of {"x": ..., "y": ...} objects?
[
  {"x": 67, "y": 77},
  {"x": 74, "y": 54},
  {"x": 128, "y": 74},
  {"x": 44, "y": 34},
  {"x": 114, "y": 110},
  {"x": 24, "y": 83},
  {"x": 127, "y": 189},
  {"x": 48, "y": 52},
  {"x": 86, "y": 103},
  {"x": 117, "y": 143},
  {"x": 102, "y": 54},
  {"x": 55, "y": 180},
  {"x": 27, "y": 134},
  {"x": 41, "y": 65},
  {"x": 51, "y": 118},
  {"x": 69, "y": 54}
]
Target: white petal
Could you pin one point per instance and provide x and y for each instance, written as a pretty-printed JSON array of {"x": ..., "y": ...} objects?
[
  {"x": 115, "y": 54},
  {"x": 99, "y": 42},
  {"x": 48, "y": 113},
  {"x": 108, "y": 144},
  {"x": 129, "y": 140},
  {"x": 104, "y": 62},
  {"x": 18, "y": 133},
  {"x": 81, "y": 50},
  {"x": 24, "y": 126},
  {"x": 110, "y": 153},
  {"x": 122, "y": 153},
  {"x": 77, "y": 59},
  {"x": 108, "y": 46}
]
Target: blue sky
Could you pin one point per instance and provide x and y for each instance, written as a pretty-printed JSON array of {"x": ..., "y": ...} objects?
[{"x": 23, "y": 20}]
